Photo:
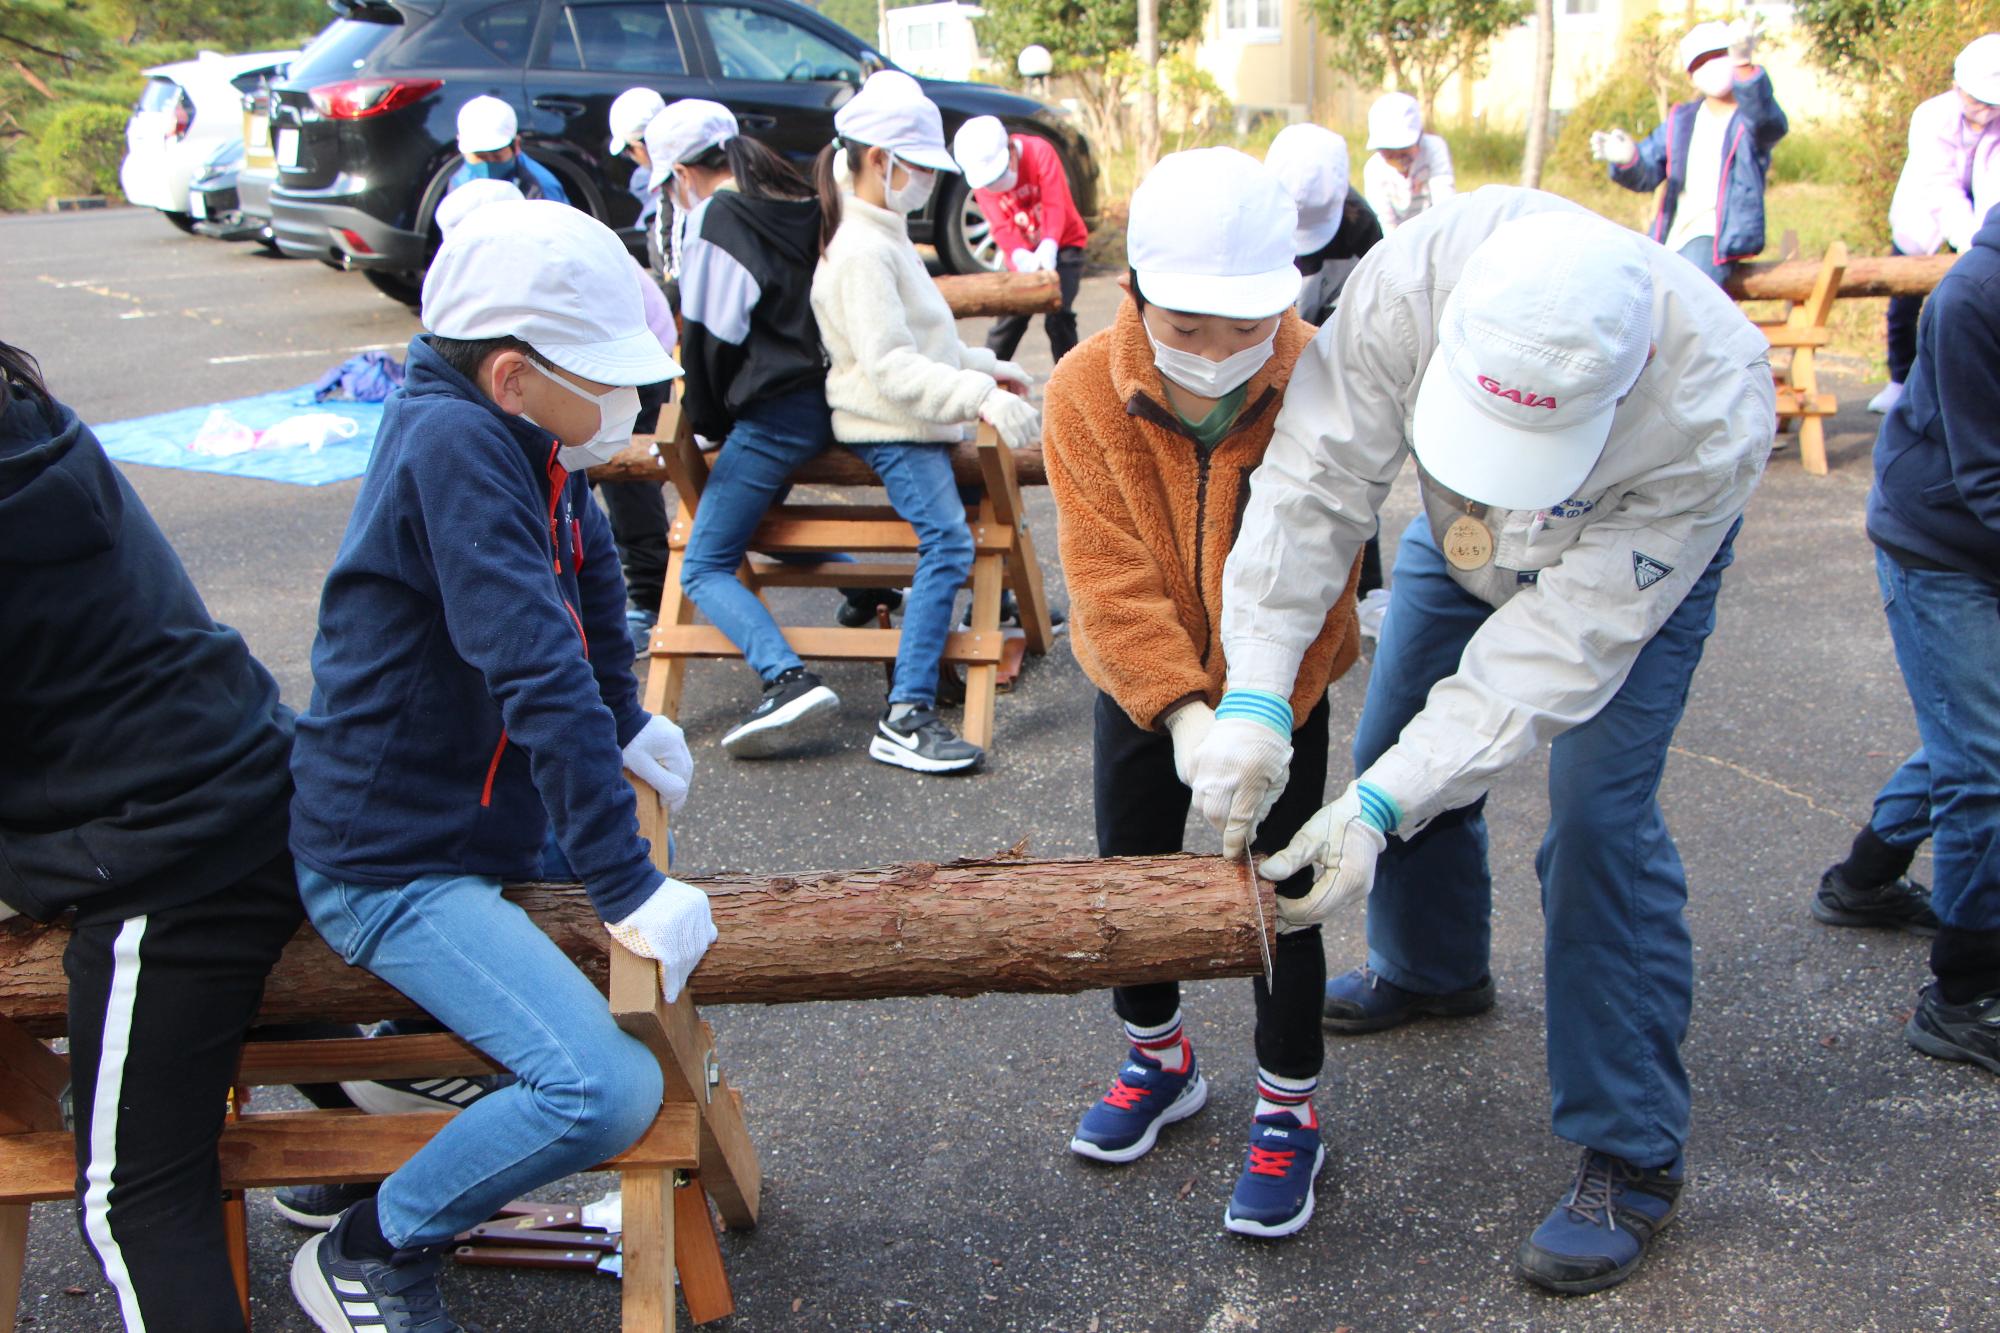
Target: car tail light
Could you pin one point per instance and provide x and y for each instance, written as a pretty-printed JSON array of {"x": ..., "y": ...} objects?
[
  {"x": 357, "y": 99},
  {"x": 353, "y": 240}
]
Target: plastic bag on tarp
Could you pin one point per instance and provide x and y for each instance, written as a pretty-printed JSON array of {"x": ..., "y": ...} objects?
[
  {"x": 312, "y": 431},
  {"x": 221, "y": 435},
  {"x": 368, "y": 378}
]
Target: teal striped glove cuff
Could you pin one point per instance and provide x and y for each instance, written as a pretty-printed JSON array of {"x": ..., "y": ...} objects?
[
  {"x": 1272, "y": 710},
  {"x": 1377, "y": 808}
]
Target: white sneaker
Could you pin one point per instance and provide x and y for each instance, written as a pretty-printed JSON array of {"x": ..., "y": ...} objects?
[{"x": 1883, "y": 401}]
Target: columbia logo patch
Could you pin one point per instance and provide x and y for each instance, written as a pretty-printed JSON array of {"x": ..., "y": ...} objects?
[{"x": 1647, "y": 571}]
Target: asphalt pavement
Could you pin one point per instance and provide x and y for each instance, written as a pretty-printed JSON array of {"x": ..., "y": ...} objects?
[{"x": 916, "y": 1170}]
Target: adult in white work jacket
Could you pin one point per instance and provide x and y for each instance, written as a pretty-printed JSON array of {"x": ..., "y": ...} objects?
[{"x": 1589, "y": 415}]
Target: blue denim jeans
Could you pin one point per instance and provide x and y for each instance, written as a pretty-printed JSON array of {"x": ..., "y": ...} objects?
[
  {"x": 1617, "y": 958},
  {"x": 1946, "y": 628},
  {"x": 762, "y": 451},
  {"x": 764, "y": 447},
  {"x": 475, "y": 961},
  {"x": 1701, "y": 253},
  {"x": 1902, "y": 814}
]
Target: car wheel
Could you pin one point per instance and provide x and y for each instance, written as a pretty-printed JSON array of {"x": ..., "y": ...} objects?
[
  {"x": 405, "y": 287},
  {"x": 182, "y": 221},
  {"x": 965, "y": 241}
]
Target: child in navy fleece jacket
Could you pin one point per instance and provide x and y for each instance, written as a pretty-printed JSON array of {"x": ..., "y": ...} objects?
[{"x": 473, "y": 689}]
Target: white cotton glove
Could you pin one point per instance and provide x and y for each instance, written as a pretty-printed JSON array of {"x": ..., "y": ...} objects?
[
  {"x": 673, "y": 928},
  {"x": 1341, "y": 842},
  {"x": 1238, "y": 771},
  {"x": 1613, "y": 146},
  {"x": 658, "y": 756},
  {"x": 1189, "y": 726},
  {"x": 1744, "y": 34},
  {"x": 1006, "y": 372},
  {"x": 1022, "y": 260},
  {"x": 1019, "y": 424},
  {"x": 1045, "y": 253}
]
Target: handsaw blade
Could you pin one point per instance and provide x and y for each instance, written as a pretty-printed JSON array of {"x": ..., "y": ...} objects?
[{"x": 1263, "y": 933}]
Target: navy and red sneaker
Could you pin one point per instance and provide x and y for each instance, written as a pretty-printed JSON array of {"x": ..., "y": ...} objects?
[
  {"x": 1274, "y": 1195},
  {"x": 1123, "y": 1125}
]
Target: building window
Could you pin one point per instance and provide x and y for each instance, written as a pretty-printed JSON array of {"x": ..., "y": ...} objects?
[{"x": 1251, "y": 20}]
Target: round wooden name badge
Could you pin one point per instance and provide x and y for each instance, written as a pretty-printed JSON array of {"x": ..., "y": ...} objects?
[{"x": 1468, "y": 543}]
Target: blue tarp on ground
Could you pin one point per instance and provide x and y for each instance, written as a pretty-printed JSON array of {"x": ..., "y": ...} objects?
[{"x": 162, "y": 440}]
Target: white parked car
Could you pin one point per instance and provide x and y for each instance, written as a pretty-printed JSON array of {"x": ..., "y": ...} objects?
[{"x": 185, "y": 112}]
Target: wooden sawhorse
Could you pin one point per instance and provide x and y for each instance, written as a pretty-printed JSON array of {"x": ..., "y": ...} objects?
[
  {"x": 697, "y": 1150},
  {"x": 1004, "y": 559},
  {"x": 1803, "y": 331}
]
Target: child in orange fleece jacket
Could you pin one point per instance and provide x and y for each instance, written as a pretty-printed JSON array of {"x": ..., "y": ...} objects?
[{"x": 1153, "y": 428}]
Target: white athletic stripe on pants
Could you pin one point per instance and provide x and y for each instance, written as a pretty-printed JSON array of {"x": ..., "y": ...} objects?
[{"x": 104, "y": 1118}]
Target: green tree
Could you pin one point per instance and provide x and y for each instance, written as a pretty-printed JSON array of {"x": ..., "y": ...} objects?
[
  {"x": 857, "y": 16},
  {"x": 1087, "y": 39},
  {"x": 242, "y": 25},
  {"x": 1416, "y": 44}
]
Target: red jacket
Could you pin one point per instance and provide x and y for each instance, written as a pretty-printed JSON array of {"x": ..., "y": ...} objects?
[{"x": 1039, "y": 204}]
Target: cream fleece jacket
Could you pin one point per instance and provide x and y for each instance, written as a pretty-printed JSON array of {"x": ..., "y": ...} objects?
[{"x": 896, "y": 368}]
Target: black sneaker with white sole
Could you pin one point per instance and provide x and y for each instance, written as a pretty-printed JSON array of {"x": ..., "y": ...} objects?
[
  {"x": 920, "y": 740},
  {"x": 393, "y": 1096},
  {"x": 1968, "y": 1032},
  {"x": 318, "y": 1207},
  {"x": 794, "y": 698},
  {"x": 359, "y": 1295},
  {"x": 1901, "y": 904}
]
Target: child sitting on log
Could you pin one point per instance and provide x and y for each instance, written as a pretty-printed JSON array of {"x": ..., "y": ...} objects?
[
  {"x": 472, "y": 686},
  {"x": 1154, "y": 427}
]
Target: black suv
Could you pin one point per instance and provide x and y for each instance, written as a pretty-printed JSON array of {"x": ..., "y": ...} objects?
[{"x": 364, "y": 125}]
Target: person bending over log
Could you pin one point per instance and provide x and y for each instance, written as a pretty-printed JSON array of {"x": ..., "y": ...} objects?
[
  {"x": 145, "y": 790},
  {"x": 473, "y": 687},
  {"x": 1154, "y": 426},
  {"x": 1588, "y": 416}
]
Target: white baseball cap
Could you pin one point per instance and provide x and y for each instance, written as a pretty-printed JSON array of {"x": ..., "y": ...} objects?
[
  {"x": 1395, "y": 121},
  {"x": 455, "y": 207},
  {"x": 1310, "y": 161},
  {"x": 552, "y": 276},
  {"x": 1703, "y": 39},
  {"x": 1211, "y": 233},
  {"x": 1548, "y": 327},
  {"x": 683, "y": 131},
  {"x": 981, "y": 148},
  {"x": 892, "y": 112},
  {"x": 1977, "y": 69},
  {"x": 486, "y": 125},
  {"x": 631, "y": 112}
]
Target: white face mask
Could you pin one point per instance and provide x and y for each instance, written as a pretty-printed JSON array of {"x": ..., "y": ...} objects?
[
  {"x": 617, "y": 410},
  {"x": 1211, "y": 379},
  {"x": 1008, "y": 180},
  {"x": 915, "y": 191},
  {"x": 1714, "y": 78}
]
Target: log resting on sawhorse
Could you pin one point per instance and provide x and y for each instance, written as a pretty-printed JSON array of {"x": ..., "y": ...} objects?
[
  {"x": 792, "y": 535},
  {"x": 906, "y": 930},
  {"x": 1810, "y": 289},
  {"x": 697, "y": 1149}
]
